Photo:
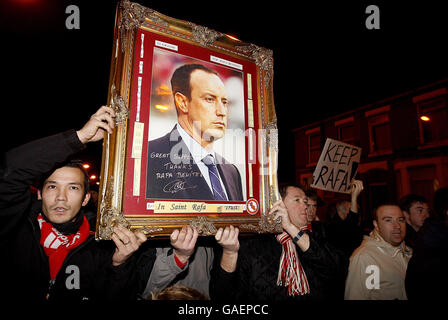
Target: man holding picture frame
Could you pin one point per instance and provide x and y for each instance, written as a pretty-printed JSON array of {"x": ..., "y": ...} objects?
[{"x": 46, "y": 240}]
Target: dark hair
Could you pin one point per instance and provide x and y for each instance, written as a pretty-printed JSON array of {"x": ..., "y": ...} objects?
[
  {"x": 312, "y": 195},
  {"x": 180, "y": 80},
  {"x": 177, "y": 292},
  {"x": 283, "y": 188},
  {"x": 407, "y": 201},
  {"x": 441, "y": 204},
  {"x": 72, "y": 163},
  {"x": 382, "y": 204}
]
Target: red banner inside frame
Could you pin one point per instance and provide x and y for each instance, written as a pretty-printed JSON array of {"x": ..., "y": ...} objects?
[{"x": 156, "y": 185}]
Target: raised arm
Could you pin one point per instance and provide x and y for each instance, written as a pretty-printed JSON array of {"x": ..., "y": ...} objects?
[{"x": 23, "y": 165}]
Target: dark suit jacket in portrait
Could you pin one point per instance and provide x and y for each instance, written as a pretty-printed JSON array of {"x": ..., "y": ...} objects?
[{"x": 179, "y": 177}]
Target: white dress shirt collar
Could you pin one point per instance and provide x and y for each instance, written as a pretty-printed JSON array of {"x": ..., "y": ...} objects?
[{"x": 198, "y": 153}]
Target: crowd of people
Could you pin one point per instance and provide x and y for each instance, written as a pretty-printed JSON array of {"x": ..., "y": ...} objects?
[{"x": 49, "y": 252}]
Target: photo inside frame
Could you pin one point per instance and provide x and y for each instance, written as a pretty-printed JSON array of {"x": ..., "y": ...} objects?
[{"x": 163, "y": 115}]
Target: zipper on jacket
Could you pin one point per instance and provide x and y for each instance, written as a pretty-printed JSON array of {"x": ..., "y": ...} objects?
[{"x": 50, "y": 287}]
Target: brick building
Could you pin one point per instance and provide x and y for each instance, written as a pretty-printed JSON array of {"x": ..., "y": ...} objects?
[{"x": 404, "y": 141}]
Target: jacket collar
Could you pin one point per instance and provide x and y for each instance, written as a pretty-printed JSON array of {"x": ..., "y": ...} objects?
[{"x": 375, "y": 239}]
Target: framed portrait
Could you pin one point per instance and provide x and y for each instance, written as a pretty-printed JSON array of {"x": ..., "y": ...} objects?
[{"x": 195, "y": 141}]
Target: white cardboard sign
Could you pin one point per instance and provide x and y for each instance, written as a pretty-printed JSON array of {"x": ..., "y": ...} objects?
[{"x": 337, "y": 166}]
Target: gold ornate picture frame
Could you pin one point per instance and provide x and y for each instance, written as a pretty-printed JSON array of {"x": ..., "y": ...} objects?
[{"x": 142, "y": 187}]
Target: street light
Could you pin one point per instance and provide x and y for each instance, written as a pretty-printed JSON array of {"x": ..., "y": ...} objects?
[{"x": 161, "y": 107}]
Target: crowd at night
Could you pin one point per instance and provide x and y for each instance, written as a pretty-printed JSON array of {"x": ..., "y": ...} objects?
[{"x": 330, "y": 131}]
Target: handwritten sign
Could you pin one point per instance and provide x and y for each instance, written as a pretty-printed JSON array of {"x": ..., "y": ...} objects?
[{"x": 337, "y": 166}]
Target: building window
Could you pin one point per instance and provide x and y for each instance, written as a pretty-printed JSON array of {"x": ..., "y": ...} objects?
[
  {"x": 346, "y": 130},
  {"x": 422, "y": 176},
  {"x": 379, "y": 188},
  {"x": 422, "y": 180},
  {"x": 433, "y": 119},
  {"x": 379, "y": 131},
  {"x": 314, "y": 147}
]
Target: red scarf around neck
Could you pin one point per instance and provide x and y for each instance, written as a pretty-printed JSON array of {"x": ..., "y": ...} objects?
[
  {"x": 57, "y": 246},
  {"x": 290, "y": 272}
]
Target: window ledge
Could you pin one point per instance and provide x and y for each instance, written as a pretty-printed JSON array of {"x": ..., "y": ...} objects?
[
  {"x": 313, "y": 164},
  {"x": 434, "y": 144},
  {"x": 380, "y": 153}
]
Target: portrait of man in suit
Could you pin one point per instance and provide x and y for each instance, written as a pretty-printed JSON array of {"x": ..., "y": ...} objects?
[{"x": 183, "y": 164}]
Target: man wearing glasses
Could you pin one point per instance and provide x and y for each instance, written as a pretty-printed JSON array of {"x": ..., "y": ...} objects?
[{"x": 297, "y": 264}]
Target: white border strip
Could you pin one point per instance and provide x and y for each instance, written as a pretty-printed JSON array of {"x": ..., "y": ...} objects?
[
  {"x": 226, "y": 62},
  {"x": 167, "y": 45}
]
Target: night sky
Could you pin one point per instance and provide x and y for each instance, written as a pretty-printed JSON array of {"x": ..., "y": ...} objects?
[{"x": 325, "y": 60}]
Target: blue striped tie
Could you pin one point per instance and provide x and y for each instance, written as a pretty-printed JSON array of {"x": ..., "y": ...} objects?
[{"x": 218, "y": 193}]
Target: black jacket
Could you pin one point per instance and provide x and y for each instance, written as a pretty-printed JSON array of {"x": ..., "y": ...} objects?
[
  {"x": 257, "y": 268},
  {"x": 426, "y": 275},
  {"x": 345, "y": 234},
  {"x": 87, "y": 272},
  {"x": 411, "y": 236}
]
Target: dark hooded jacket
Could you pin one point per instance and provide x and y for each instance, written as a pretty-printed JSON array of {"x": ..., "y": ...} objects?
[
  {"x": 426, "y": 275},
  {"x": 87, "y": 272}
]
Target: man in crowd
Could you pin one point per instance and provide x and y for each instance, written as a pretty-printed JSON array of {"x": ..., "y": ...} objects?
[
  {"x": 343, "y": 228},
  {"x": 378, "y": 266},
  {"x": 187, "y": 261},
  {"x": 416, "y": 210},
  {"x": 47, "y": 243},
  {"x": 296, "y": 264},
  {"x": 313, "y": 203},
  {"x": 426, "y": 276}
]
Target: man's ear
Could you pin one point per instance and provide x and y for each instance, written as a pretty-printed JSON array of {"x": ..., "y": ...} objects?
[
  {"x": 181, "y": 102},
  {"x": 407, "y": 216},
  {"x": 39, "y": 195},
  {"x": 375, "y": 224},
  {"x": 86, "y": 199}
]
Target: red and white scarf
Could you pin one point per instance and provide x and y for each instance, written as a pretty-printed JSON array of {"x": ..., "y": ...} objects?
[
  {"x": 290, "y": 272},
  {"x": 57, "y": 246}
]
